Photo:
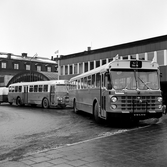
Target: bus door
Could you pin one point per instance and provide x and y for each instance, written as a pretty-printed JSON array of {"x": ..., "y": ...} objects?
[
  {"x": 25, "y": 94},
  {"x": 103, "y": 95},
  {"x": 52, "y": 94}
]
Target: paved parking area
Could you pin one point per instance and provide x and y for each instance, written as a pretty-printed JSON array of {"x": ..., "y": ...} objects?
[{"x": 136, "y": 148}]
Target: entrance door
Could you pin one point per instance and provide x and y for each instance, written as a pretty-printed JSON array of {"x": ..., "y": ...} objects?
[
  {"x": 52, "y": 94},
  {"x": 103, "y": 96},
  {"x": 25, "y": 94}
]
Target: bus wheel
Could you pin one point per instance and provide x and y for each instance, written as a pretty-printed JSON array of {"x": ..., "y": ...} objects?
[
  {"x": 18, "y": 101},
  {"x": 75, "y": 107},
  {"x": 45, "y": 103},
  {"x": 96, "y": 114}
]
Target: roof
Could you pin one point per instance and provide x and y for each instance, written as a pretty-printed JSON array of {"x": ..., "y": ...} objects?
[
  {"x": 117, "y": 47},
  {"x": 50, "y": 75}
]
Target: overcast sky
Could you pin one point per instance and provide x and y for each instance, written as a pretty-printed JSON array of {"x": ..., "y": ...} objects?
[{"x": 70, "y": 26}]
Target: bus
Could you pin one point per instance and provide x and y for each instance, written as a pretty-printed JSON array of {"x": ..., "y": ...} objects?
[
  {"x": 122, "y": 88},
  {"x": 3, "y": 95},
  {"x": 53, "y": 93}
]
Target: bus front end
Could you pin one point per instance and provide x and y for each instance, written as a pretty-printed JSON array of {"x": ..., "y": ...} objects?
[{"x": 135, "y": 90}]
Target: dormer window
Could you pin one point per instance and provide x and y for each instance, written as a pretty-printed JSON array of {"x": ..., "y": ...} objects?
[
  {"x": 16, "y": 66},
  {"x": 3, "y": 65}
]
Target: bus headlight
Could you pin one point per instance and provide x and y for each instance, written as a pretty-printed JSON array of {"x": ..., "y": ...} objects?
[
  {"x": 159, "y": 99},
  {"x": 114, "y": 99},
  {"x": 59, "y": 98},
  {"x": 113, "y": 106}
]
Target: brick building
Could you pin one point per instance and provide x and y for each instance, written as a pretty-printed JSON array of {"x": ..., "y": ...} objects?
[{"x": 22, "y": 68}]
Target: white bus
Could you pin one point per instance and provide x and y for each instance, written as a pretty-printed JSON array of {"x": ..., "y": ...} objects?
[
  {"x": 52, "y": 93},
  {"x": 121, "y": 88},
  {"x": 3, "y": 95}
]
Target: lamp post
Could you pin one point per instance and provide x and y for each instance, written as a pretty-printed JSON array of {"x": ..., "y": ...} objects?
[{"x": 35, "y": 56}]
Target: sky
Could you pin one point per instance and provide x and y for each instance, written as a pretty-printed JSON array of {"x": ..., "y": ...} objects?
[{"x": 63, "y": 27}]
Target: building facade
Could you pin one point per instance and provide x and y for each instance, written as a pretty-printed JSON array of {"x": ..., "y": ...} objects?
[
  {"x": 74, "y": 64},
  {"x": 21, "y": 68}
]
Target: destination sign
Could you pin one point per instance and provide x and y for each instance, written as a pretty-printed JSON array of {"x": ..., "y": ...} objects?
[{"x": 136, "y": 64}]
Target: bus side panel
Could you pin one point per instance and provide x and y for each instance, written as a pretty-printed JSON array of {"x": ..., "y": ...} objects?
[
  {"x": 85, "y": 98},
  {"x": 37, "y": 97}
]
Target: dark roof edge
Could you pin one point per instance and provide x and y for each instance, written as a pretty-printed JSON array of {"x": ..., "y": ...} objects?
[{"x": 119, "y": 46}]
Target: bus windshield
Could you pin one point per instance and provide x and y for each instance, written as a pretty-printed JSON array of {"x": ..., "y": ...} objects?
[
  {"x": 61, "y": 88},
  {"x": 135, "y": 79}
]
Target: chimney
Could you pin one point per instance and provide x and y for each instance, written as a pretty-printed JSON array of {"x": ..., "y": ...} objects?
[
  {"x": 51, "y": 57},
  {"x": 9, "y": 55},
  {"x": 24, "y": 55},
  {"x": 89, "y": 48}
]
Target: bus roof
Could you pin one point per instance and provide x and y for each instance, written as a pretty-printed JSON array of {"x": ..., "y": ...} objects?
[
  {"x": 40, "y": 83},
  {"x": 118, "y": 64}
]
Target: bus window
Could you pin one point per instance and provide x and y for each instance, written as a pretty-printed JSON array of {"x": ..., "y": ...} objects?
[
  {"x": 40, "y": 88},
  {"x": 45, "y": 88},
  {"x": 93, "y": 80},
  {"x": 79, "y": 84},
  {"x": 20, "y": 88},
  {"x": 98, "y": 80},
  {"x": 82, "y": 83},
  {"x": 16, "y": 89},
  {"x": 31, "y": 88},
  {"x": 35, "y": 88},
  {"x": 85, "y": 83},
  {"x": 89, "y": 81}
]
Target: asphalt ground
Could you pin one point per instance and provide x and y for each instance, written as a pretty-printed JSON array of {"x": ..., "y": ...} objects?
[{"x": 140, "y": 147}]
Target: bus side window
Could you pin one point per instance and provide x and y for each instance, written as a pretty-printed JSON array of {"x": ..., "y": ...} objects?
[
  {"x": 31, "y": 88},
  {"x": 40, "y": 88},
  {"x": 20, "y": 88},
  {"x": 45, "y": 88},
  {"x": 89, "y": 81},
  {"x": 79, "y": 84},
  {"x": 82, "y": 83},
  {"x": 98, "y": 80},
  {"x": 16, "y": 89},
  {"x": 13, "y": 88},
  {"x": 35, "y": 88},
  {"x": 85, "y": 83},
  {"x": 93, "y": 80},
  {"x": 108, "y": 81}
]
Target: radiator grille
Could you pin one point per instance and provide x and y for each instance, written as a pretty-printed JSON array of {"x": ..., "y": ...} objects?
[{"x": 136, "y": 103}]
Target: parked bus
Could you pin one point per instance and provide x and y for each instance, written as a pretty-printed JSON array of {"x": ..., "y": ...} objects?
[
  {"x": 120, "y": 88},
  {"x": 52, "y": 93},
  {"x": 3, "y": 95}
]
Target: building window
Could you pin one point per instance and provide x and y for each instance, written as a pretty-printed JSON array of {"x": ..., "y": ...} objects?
[
  {"x": 38, "y": 68},
  {"x": 27, "y": 67},
  {"x": 86, "y": 66},
  {"x": 91, "y": 65},
  {"x": 49, "y": 69},
  {"x": 98, "y": 63},
  {"x": 61, "y": 71},
  {"x": 3, "y": 65},
  {"x": 160, "y": 57},
  {"x": 66, "y": 70},
  {"x": 71, "y": 71},
  {"x": 75, "y": 69},
  {"x": 150, "y": 55},
  {"x": 103, "y": 61},
  {"x": 80, "y": 68},
  {"x": 16, "y": 66}
]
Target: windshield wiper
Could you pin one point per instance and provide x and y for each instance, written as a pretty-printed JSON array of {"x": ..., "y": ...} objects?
[{"x": 145, "y": 83}]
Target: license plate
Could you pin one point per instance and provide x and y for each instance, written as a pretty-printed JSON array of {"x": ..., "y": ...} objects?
[{"x": 139, "y": 115}]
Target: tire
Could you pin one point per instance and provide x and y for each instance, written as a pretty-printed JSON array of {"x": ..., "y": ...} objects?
[
  {"x": 18, "y": 101},
  {"x": 45, "y": 103},
  {"x": 75, "y": 107},
  {"x": 96, "y": 114}
]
